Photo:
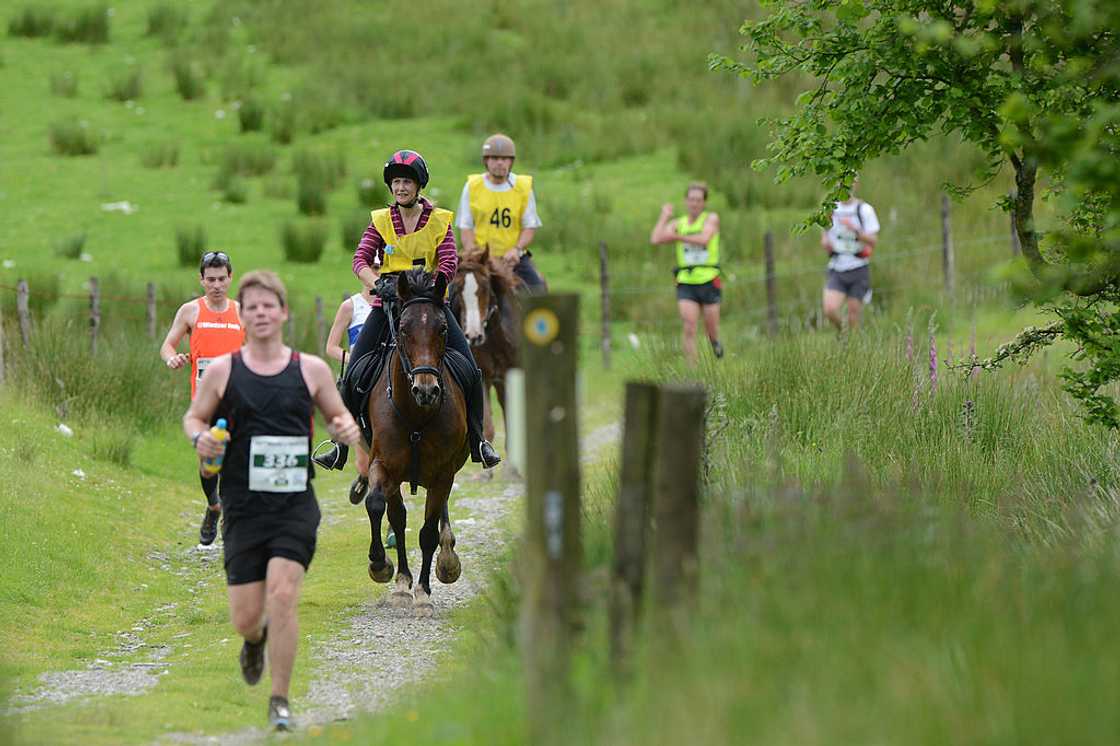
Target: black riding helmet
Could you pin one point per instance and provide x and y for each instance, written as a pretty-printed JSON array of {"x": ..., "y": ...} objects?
[{"x": 406, "y": 163}]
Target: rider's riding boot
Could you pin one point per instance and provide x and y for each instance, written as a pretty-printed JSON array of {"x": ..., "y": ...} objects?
[
  {"x": 334, "y": 457},
  {"x": 481, "y": 450}
]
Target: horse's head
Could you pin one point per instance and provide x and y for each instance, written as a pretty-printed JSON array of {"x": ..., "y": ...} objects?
[
  {"x": 472, "y": 297},
  {"x": 422, "y": 333}
]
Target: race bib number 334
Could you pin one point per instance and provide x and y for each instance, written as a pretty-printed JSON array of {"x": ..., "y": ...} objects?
[{"x": 278, "y": 463}]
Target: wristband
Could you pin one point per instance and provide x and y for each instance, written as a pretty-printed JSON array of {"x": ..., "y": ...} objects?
[{"x": 194, "y": 439}]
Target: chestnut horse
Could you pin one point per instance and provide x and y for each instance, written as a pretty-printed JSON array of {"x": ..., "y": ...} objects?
[
  {"x": 419, "y": 418},
  {"x": 484, "y": 297}
]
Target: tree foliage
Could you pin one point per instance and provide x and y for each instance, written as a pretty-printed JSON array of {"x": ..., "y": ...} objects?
[{"x": 1034, "y": 84}]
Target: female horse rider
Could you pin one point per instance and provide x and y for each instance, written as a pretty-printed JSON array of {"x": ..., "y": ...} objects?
[{"x": 409, "y": 233}]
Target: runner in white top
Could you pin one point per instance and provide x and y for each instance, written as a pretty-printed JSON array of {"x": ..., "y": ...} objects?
[
  {"x": 350, "y": 317},
  {"x": 849, "y": 242}
]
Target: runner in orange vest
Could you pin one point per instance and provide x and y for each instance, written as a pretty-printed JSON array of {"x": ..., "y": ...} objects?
[{"x": 214, "y": 325}]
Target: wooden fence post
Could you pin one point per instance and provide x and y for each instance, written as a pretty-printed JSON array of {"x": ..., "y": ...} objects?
[
  {"x": 771, "y": 284},
  {"x": 605, "y": 295},
  {"x": 676, "y": 496},
  {"x": 150, "y": 313},
  {"x": 3, "y": 370},
  {"x": 552, "y": 549},
  {"x": 947, "y": 263},
  {"x": 94, "y": 313},
  {"x": 631, "y": 519},
  {"x": 320, "y": 331},
  {"x": 23, "y": 312}
]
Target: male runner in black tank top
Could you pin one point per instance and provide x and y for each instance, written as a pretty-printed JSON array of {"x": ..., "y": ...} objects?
[{"x": 267, "y": 393}]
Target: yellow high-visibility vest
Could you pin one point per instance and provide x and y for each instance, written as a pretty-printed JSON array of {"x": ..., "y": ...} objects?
[
  {"x": 412, "y": 249},
  {"x": 497, "y": 215},
  {"x": 696, "y": 265}
]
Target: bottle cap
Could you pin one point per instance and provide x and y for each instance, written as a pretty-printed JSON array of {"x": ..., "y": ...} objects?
[{"x": 221, "y": 423}]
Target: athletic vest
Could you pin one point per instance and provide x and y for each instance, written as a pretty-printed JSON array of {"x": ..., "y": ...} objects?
[
  {"x": 267, "y": 461},
  {"x": 412, "y": 249},
  {"x": 696, "y": 265},
  {"x": 214, "y": 334},
  {"x": 497, "y": 215},
  {"x": 358, "y": 317}
]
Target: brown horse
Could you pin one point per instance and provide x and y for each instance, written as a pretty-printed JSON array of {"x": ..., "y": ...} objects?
[
  {"x": 484, "y": 297},
  {"x": 419, "y": 418}
]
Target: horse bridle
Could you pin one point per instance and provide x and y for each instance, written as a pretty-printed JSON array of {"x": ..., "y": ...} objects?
[
  {"x": 457, "y": 294},
  {"x": 411, "y": 372}
]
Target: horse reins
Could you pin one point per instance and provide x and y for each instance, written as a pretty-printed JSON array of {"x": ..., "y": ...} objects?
[{"x": 410, "y": 373}]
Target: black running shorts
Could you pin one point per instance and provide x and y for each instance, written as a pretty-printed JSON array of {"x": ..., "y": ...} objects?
[
  {"x": 707, "y": 294},
  {"x": 855, "y": 283},
  {"x": 251, "y": 539}
]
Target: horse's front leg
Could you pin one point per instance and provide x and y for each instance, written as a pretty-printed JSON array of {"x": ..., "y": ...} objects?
[
  {"x": 380, "y": 568},
  {"x": 398, "y": 519},
  {"x": 429, "y": 540},
  {"x": 448, "y": 567}
]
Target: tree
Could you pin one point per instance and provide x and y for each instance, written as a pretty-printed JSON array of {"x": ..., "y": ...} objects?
[{"x": 1034, "y": 84}]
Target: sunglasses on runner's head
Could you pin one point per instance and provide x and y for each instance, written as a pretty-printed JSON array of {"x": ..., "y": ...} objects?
[{"x": 216, "y": 259}]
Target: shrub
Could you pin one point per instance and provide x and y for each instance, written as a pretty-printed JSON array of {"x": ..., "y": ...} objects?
[
  {"x": 64, "y": 84},
  {"x": 160, "y": 155},
  {"x": 73, "y": 138},
  {"x": 188, "y": 77},
  {"x": 240, "y": 75},
  {"x": 303, "y": 241},
  {"x": 114, "y": 446},
  {"x": 278, "y": 186},
  {"x": 247, "y": 159},
  {"x": 235, "y": 190},
  {"x": 32, "y": 22},
  {"x": 166, "y": 20},
  {"x": 125, "y": 85},
  {"x": 372, "y": 193},
  {"x": 327, "y": 169},
  {"x": 190, "y": 241},
  {"x": 352, "y": 227},
  {"x": 250, "y": 115},
  {"x": 311, "y": 196},
  {"x": 71, "y": 246},
  {"x": 282, "y": 123},
  {"x": 85, "y": 25}
]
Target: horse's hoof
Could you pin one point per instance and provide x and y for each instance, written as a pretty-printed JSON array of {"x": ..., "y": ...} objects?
[
  {"x": 399, "y": 599},
  {"x": 383, "y": 574},
  {"x": 422, "y": 606},
  {"x": 448, "y": 567}
]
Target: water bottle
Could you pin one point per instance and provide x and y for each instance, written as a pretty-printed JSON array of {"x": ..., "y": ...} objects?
[{"x": 220, "y": 434}]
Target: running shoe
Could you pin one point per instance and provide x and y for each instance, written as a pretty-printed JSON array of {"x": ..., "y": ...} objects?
[
  {"x": 252, "y": 658},
  {"x": 279, "y": 714},
  {"x": 209, "y": 530},
  {"x": 391, "y": 540},
  {"x": 717, "y": 348}
]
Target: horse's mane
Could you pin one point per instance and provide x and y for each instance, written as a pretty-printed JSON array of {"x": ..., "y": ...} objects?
[
  {"x": 502, "y": 279},
  {"x": 422, "y": 284}
]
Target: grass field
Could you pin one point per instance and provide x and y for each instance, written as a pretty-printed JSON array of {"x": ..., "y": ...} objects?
[{"x": 883, "y": 562}]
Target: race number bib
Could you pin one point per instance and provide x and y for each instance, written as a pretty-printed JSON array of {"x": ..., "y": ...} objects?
[
  {"x": 845, "y": 241},
  {"x": 202, "y": 362},
  {"x": 694, "y": 255},
  {"x": 278, "y": 463}
]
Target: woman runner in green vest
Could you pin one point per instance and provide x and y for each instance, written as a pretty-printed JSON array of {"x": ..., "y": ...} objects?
[{"x": 696, "y": 235}]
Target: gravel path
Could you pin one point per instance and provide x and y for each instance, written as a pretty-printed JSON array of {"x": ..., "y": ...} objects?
[{"x": 382, "y": 651}]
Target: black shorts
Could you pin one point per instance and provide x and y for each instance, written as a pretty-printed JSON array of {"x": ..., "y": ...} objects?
[
  {"x": 707, "y": 294},
  {"x": 855, "y": 283},
  {"x": 251, "y": 539}
]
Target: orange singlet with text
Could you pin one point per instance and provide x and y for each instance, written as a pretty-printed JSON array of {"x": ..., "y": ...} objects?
[{"x": 214, "y": 334}]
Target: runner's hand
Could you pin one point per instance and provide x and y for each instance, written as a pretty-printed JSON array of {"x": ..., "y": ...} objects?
[
  {"x": 178, "y": 360},
  {"x": 850, "y": 224},
  {"x": 208, "y": 447},
  {"x": 667, "y": 211},
  {"x": 343, "y": 428},
  {"x": 513, "y": 255}
]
